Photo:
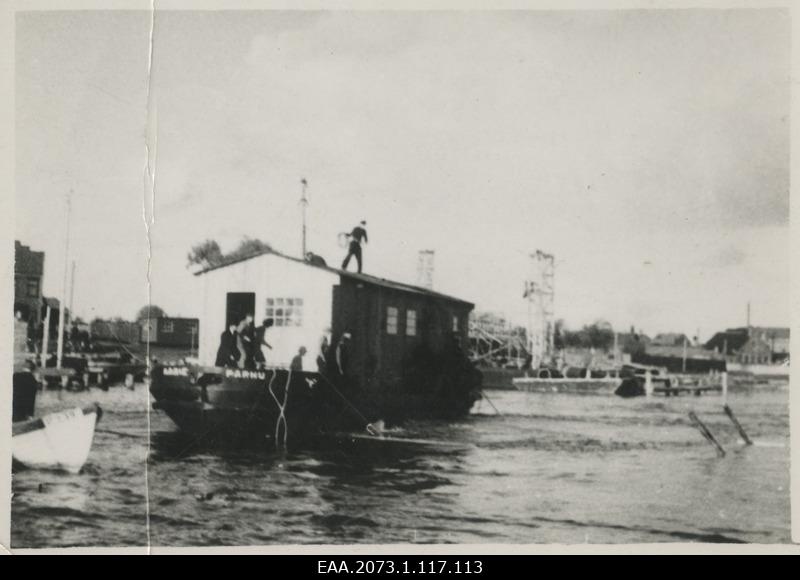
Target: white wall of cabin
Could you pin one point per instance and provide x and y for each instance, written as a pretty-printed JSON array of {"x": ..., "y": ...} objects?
[{"x": 269, "y": 276}]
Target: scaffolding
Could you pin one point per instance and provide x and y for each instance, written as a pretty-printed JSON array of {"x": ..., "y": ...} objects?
[
  {"x": 540, "y": 294},
  {"x": 494, "y": 340}
]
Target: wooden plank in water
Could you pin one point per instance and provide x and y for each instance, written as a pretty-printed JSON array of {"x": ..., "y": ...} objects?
[{"x": 383, "y": 439}]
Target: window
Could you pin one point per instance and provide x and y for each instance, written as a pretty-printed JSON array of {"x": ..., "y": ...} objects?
[
  {"x": 411, "y": 323},
  {"x": 391, "y": 320},
  {"x": 32, "y": 287},
  {"x": 285, "y": 311},
  {"x": 168, "y": 327},
  {"x": 455, "y": 323}
]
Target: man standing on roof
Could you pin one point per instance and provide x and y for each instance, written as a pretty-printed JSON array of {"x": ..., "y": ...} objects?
[{"x": 359, "y": 232}]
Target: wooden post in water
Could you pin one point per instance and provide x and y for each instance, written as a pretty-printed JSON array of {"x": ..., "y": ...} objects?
[
  {"x": 739, "y": 428},
  {"x": 725, "y": 388},
  {"x": 706, "y": 433}
]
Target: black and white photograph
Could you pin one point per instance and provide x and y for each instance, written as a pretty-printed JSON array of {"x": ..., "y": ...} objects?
[{"x": 386, "y": 275}]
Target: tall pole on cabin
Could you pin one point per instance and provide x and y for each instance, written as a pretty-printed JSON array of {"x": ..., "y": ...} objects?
[
  {"x": 304, "y": 203},
  {"x": 60, "y": 351}
]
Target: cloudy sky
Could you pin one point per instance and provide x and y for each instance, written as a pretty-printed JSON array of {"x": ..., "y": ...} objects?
[{"x": 647, "y": 150}]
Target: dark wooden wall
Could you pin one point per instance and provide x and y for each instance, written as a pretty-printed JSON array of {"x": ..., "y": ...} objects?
[{"x": 378, "y": 358}]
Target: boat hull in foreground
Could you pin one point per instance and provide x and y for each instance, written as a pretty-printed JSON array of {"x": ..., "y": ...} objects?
[{"x": 58, "y": 441}]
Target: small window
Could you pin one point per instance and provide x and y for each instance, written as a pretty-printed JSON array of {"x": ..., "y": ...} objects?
[
  {"x": 168, "y": 327},
  {"x": 411, "y": 323},
  {"x": 285, "y": 311},
  {"x": 32, "y": 287},
  {"x": 391, "y": 320},
  {"x": 455, "y": 323}
]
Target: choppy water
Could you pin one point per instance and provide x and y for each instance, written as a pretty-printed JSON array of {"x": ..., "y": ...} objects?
[{"x": 552, "y": 468}]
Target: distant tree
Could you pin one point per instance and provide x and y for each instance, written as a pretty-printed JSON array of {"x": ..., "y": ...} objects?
[
  {"x": 248, "y": 247},
  {"x": 150, "y": 311},
  {"x": 598, "y": 335},
  {"x": 208, "y": 253},
  {"x": 205, "y": 254}
]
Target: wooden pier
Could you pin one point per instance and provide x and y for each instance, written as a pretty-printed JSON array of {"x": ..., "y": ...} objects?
[
  {"x": 687, "y": 385},
  {"x": 695, "y": 390}
]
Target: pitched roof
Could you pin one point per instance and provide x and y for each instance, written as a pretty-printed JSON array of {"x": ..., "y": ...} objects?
[
  {"x": 772, "y": 331},
  {"x": 728, "y": 341},
  {"x": 366, "y": 278}
]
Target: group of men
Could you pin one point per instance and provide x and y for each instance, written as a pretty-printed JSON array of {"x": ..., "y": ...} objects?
[{"x": 244, "y": 346}]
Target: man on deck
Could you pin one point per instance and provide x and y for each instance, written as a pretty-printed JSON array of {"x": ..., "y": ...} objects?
[{"x": 359, "y": 232}]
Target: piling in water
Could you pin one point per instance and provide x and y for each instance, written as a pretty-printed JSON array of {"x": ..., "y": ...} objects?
[
  {"x": 706, "y": 433},
  {"x": 742, "y": 434}
]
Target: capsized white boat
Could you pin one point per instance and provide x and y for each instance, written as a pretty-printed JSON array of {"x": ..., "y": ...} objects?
[{"x": 60, "y": 440}]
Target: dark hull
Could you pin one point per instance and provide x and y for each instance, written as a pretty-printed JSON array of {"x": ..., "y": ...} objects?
[
  {"x": 243, "y": 407},
  {"x": 238, "y": 406}
]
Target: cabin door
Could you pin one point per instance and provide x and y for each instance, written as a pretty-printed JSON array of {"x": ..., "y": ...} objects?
[{"x": 238, "y": 305}]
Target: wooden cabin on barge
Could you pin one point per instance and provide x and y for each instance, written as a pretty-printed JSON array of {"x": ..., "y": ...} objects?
[{"x": 401, "y": 335}]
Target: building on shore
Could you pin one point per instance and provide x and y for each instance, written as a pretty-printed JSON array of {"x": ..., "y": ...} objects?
[
  {"x": 118, "y": 331},
  {"x": 752, "y": 345},
  {"x": 170, "y": 331},
  {"x": 680, "y": 359},
  {"x": 28, "y": 275}
]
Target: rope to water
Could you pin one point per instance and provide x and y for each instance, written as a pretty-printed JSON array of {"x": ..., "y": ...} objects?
[
  {"x": 345, "y": 399},
  {"x": 281, "y": 407}
]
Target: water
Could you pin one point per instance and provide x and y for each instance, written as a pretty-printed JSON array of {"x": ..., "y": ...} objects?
[{"x": 552, "y": 468}]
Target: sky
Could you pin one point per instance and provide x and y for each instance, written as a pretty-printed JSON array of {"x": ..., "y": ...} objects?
[{"x": 647, "y": 150}]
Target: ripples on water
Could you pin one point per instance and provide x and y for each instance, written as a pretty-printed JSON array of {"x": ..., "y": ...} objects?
[{"x": 552, "y": 468}]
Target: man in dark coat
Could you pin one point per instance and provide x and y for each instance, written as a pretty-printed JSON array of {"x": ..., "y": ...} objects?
[
  {"x": 260, "y": 342},
  {"x": 343, "y": 354},
  {"x": 359, "y": 233},
  {"x": 246, "y": 335},
  {"x": 297, "y": 361},
  {"x": 227, "y": 353}
]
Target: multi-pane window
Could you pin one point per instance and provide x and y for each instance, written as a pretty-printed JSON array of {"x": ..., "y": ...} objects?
[
  {"x": 391, "y": 320},
  {"x": 285, "y": 311},
  {"x": 168, "y": 326},
  {"x": 411, "y": 323},
  {"x": 32, "y": 286}
]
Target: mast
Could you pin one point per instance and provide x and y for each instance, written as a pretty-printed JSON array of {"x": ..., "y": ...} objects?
[
  {"x": 45, "y": 335},
  {"x": 60, "y": 351},
  {"x": 72, "y": 289},
  {"x": 304, "y": 204}
]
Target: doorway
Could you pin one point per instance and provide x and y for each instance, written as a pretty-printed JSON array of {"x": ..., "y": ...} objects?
[{"x": 238, "y": 305}]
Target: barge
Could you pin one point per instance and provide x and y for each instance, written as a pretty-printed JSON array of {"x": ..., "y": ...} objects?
[{"x": 347, "y": 350}]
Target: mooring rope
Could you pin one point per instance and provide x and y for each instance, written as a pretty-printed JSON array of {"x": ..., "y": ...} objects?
[
  {"x": 281, "y": 407},
  {"x": 372, "y": 430}
]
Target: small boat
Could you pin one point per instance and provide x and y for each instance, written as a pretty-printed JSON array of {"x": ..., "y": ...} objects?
[{"x": 59, "y": 440}]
